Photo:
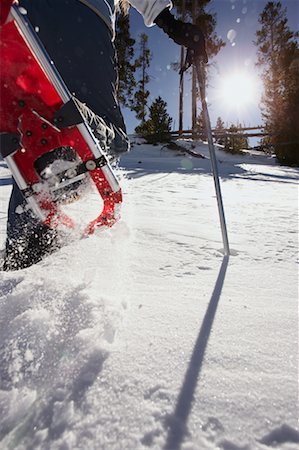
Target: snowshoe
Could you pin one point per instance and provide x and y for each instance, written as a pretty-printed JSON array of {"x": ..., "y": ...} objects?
[{"x": 45, "y": 138}]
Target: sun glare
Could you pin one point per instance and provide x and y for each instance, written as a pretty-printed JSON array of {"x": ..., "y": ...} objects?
[{"x": 238, "y": 90}]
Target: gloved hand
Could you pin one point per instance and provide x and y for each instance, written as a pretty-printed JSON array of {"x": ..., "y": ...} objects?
[{"x": 183, "y": 33}]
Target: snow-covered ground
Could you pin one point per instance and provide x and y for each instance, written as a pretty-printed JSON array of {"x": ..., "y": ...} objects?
[{"x": 144, "y": 335}]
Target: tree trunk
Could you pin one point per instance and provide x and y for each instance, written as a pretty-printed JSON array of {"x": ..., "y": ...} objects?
[
  {"x": 181, "y": 106},
  {"x": 194, "y": 78}
]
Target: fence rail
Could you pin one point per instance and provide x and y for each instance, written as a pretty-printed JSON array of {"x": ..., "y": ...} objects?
[{"x": 223, "y": 133}]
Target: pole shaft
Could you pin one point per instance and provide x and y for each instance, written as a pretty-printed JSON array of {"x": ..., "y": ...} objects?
[{"x": 201, "y": 82}]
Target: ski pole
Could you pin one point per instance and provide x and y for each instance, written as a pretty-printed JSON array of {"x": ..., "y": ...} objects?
[{"x": 199, "y": 65}]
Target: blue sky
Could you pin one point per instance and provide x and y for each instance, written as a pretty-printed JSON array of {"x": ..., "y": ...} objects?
[{"x": 239, "y": 54}]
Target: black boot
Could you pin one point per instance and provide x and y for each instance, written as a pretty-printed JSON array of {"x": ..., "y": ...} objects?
[{"x": 25, "y": 252}]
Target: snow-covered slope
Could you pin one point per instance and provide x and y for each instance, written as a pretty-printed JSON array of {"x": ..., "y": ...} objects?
[{"x": 145, "y": 336}]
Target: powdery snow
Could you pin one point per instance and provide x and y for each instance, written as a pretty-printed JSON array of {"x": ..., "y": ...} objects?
[{"x": 145, "y": 336}]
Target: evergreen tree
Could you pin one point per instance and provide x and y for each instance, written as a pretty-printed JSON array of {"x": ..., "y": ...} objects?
[
  {"x": 278, "y": 57},
  {"x": 219, "y": 129},
  {"x": 157, "y": 128},
  {"x": 142, "y": 63},
  {"x": 238, "y": 142},
  {"x": 196, "y": 12},
  {"x": 219, "y": 124},
  {"x": 200, "y": 129},
  {"x": 205, "y": 20},
  {"x": 126, "y": 67}
]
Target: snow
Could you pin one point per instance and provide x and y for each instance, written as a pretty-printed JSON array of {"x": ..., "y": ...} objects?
[{"x": 145, "y": 335}]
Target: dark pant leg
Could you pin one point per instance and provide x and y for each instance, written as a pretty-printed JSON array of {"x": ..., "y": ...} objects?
[{"x": 81, "y": 46}]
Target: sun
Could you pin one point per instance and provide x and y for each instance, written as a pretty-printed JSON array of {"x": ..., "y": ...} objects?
[{"x": 239, "y": 90}]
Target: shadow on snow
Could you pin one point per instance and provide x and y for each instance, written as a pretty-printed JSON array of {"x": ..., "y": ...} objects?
[
  {"x": 177, "y": 426},
  {"x": 232, "y": 166}
]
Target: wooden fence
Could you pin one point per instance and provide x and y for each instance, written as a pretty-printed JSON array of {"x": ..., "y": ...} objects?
[{"x": 225, "y": 133}]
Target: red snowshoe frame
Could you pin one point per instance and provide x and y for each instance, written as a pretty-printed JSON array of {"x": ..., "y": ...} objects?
[{"x": 38, "y": 115}]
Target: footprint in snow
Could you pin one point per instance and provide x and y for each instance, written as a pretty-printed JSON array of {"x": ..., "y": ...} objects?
[
  {"x": 280, "y": 435},
  {"x": 148, "y": 439},
  {"x": 8, "y": 285},
  {"x": 157, "y": 393},
  {"x": 213, "y": 427},
  {"x": 204, "y": 267}
]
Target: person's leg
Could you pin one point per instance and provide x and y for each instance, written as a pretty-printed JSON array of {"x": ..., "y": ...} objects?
[{"x": 81, "y": 46}]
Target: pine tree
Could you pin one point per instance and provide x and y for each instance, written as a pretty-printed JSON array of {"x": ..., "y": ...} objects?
[
  {"x": 195, "y": 11},
  {"x": 205, "y": 20},
  {"x": 238, "y": 142},
  {"x": 219, "y": 124},
  {"x": 142, "y": 63},
  {"x": 157, "y": 128},
  {"x": 277, "y": 55},
  {"x": 200, "y": 128},
  {"x": 220, "y": 130},
  {"x": 125, "y": 53}
]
